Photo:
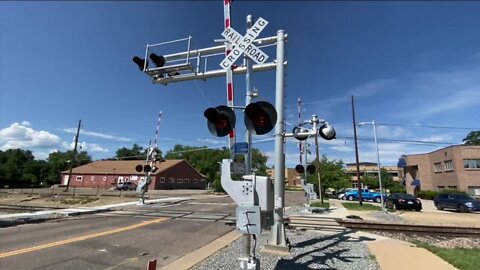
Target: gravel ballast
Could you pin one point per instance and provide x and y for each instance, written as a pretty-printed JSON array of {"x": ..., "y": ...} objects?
[{"x": 310, "y": 250}]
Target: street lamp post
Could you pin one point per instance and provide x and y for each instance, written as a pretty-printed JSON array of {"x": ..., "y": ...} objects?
[{"x": 378, "y": 160}]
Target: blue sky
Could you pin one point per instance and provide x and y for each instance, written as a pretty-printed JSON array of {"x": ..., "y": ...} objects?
[{"x": 414, "y": 66}]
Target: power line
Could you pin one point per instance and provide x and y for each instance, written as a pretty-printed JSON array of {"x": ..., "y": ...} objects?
[{"x": 427, "y": 126}]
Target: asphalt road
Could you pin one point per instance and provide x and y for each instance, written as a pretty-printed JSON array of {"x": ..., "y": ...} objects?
[{"x": 126, "y": 238}]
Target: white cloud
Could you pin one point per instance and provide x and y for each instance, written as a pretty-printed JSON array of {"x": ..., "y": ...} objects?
[
  {"x": 84, "y": 146},
  {"x": 438, "y": 138},
  {"x": 342, "y": 148},
  {"x": 40, "y": 142},
  {"x": 364, "y": 90},
  {"x": 98, "y": 135},
  {"x": 211, "y": 141},
  {"x": 291, "y": 159},
  {"x": 21, "y": 135},
  {"x": 440, "y": 92}
]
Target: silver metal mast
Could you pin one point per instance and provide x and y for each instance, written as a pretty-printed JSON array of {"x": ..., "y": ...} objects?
[{"x": 278, "y": 240}]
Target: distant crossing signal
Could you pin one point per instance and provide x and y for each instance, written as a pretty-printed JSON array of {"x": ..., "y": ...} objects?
[
  {"x": 299, "y": 169},
  {"x": 146, "y": 168},
  {"x": 260, "y": 117},
  {"x": 220, "y": 120},
  {"x": 297, "y": 130},
  {"x": 140, "y": 62},
  {"x": 327, "y": 132},
  {"x": 311, "y": 169},
  {"x": 159, "y": 60}
]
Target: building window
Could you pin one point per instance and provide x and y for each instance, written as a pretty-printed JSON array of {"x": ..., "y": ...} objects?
[
  {"x": 186, "y": 181},
  {"x": 471, "y": 163},
  {"x": 195, "y": 181},
  {"x": 171, "y": 180},
  {"x": 79, "y": 178},
  {"x": 448, "y": 165},
  {"x": 440, "y": 188},
  {"x": 162, "y": 179},
  {"x": 180, "y": 181},
  {"x": 452, "y": 187},
  {"x": 437, "y": 167}
]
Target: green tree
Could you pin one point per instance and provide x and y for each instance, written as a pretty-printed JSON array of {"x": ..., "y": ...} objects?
[
  {"x": 472, "y": 138},
  {"x": 13, "y": 164},
  {"x": 135, "y": 153},
  {"x": 60, "y": 161},
  {"x": 206, "y": 161},
  {"x": 332, "y": 174},
  {"x": 371, "y": 181}
]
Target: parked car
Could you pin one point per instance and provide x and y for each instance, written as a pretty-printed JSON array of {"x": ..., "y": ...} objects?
[
  {"x": 403, "y": 201},
  {"x": 126, "y": 186},
  {"x": 459, "y": 201},
  {"x": 341, "y": 193},
  {"x": 366, "y": 195}
]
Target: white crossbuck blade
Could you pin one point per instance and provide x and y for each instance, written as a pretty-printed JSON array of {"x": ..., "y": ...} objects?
[{"x": 243, "y": 44}]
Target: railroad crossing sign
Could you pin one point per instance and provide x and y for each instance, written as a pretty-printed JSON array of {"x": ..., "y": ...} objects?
[{"x": 243, "y": 44}]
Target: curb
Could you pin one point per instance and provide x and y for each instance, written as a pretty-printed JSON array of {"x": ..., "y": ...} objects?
[{"x": 190, "y": 260}]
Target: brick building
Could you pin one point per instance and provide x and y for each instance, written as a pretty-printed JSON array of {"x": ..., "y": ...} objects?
[
  {"x": 456, "y": 167},
  {"x": 292, "y": 178},
  {"x": 171, "y": 174},
  {"x": 371, "y": 168}
]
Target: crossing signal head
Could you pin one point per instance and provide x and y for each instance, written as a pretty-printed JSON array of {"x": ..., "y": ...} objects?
[
  {"x": 140, "y": 62},
  {"x": 260, "y": 117},
  {"x": 221, "y": 120},
  {"x": 297, "y": 130},
  {"x": 300, "y": 169},
  {"x": 159, "y": 60},
  {"x": 146, "y": 168},
  {"x": 327, "y": 132},
  {"x": 311, "y": 169}
]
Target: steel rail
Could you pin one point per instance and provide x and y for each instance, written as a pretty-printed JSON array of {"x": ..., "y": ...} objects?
[{"x": 322, "y": 222}]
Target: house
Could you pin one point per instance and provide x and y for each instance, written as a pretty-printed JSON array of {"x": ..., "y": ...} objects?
[
  {"x": 455, "y": 167},
  {"x": 371, "y": 168},
  {"x": 171, "y": 174}
]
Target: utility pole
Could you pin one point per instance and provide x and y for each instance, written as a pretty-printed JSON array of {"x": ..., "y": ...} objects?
[
  {"x": 359, "y": 182},
  {"x": 74, "y": 155}
]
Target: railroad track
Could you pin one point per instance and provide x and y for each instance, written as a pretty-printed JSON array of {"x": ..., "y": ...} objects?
[{"x": 337, "y": 225}]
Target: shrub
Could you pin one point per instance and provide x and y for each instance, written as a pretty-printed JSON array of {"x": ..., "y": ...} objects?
[{"x": 427, "y": 194}]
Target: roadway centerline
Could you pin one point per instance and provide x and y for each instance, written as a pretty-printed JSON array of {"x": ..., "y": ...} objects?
[{"x": 80, "y": 238}]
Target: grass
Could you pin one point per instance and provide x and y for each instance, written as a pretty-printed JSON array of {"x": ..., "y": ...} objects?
[
  {"x": 462, "y": 258},
  {"x": 319, "y": 204},
  {"x": 363, "y": 207},
  {"x": 79, "y": 200}
]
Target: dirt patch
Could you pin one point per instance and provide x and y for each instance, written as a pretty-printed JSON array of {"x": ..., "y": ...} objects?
[{"x": 59, "y": 201}]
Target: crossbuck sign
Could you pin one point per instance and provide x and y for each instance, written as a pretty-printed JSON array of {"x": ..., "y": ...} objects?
[{"x": 243, "y": 44}]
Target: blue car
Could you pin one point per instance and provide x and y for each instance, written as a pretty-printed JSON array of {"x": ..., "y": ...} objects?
[{"x": 458, "y": 201}]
